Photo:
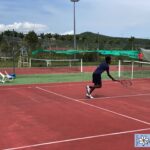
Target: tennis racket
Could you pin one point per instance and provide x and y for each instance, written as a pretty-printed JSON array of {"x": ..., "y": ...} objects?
[{"x": 125, "y": 83}]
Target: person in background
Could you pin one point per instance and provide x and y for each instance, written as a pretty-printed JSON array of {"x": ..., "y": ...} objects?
[
  {"x": 2, "y": 77},
  {"x": 140, "y": 57},
  {"x": 6, "y": 77}
]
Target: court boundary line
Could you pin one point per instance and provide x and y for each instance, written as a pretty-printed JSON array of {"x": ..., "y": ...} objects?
[
  {"x": 78, "y": 139},
  {"x": 94, "y": 106}
]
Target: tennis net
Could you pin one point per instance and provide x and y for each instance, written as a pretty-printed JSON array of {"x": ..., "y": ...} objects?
[
  {"x": 69, "y": 64},
  {"x": 134, "y": 69}
]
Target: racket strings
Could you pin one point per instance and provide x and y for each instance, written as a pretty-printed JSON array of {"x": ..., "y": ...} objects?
[{"x": 126, "y": 83}]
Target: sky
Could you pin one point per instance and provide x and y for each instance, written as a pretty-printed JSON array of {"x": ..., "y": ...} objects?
[{"x": 117, "y": 18}]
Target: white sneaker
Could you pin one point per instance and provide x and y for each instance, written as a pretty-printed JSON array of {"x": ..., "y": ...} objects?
[
  {"x": 88, "y": 89},
  {"x": 89, "y": 96}
]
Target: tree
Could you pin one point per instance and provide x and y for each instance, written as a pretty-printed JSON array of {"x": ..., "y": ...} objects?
[
  {"x": 48, "y": 35},
  {"x": 32, "y": 40},
  {"x": 5, "y": 48}
]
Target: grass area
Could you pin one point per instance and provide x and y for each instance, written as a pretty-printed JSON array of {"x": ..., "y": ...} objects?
[{"x": 52, "y": 78}]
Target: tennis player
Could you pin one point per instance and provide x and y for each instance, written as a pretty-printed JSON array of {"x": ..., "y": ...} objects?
[{"x": 104, "y": 66}]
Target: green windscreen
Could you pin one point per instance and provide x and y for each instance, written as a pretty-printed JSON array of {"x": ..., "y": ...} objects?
[{"x": 129, "y": 53}]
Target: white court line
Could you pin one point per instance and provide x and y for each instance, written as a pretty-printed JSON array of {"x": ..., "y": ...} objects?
[
  {"x": 77, "y": 139},
  {"x": 121, "y": 96},
  {"x": 91, "y": 105}
]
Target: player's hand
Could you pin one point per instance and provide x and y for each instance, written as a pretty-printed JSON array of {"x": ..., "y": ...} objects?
[{"x": 116, "y": 80}]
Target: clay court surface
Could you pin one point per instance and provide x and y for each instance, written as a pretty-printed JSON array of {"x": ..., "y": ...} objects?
[
  {"x": 58, "y": 116},
  {"x": 53, "y": 70}
]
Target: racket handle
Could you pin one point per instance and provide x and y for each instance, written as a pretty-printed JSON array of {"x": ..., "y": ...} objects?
[{"x": 117, "y": 80}]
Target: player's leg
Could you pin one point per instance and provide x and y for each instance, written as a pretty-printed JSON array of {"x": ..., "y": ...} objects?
[
  {"x": 97, "y": 84},
  {"x": 88, "y": 88},
  {"x": 92, "y": 88}
]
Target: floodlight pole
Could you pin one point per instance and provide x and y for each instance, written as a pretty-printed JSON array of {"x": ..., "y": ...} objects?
[
  {"x": 98, "y": 42},
  {"x": 13, "y": 53},
  {"x": 74, "y": 24}
]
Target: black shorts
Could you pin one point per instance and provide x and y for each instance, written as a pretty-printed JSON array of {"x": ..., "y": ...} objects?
[{"x": 97, "y": 79}]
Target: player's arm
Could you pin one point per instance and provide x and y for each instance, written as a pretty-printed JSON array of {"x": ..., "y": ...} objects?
[{"x": 110, "y": 75}]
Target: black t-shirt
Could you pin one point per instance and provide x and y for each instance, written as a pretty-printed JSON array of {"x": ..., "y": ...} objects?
[{"x": 101, "y": 68}]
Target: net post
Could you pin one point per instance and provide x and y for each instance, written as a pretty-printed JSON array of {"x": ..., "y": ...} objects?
[
  {"x": 29, "y": 62},
  {"x": 132, "y": 69},
  {"x": 81, "y": 65},
  {"x": 70, "y": 63},
  {"x": 47, "y": 63},
  {"x": 119, "y": 68}
]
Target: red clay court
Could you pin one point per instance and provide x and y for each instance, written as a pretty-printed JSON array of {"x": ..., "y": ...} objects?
[{"x": 60, "y": 117}]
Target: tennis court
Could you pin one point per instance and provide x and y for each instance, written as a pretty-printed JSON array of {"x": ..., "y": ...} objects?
[{"x": 58, "y": 116}]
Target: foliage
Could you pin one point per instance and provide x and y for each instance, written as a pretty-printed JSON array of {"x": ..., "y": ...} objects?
[{"x": 85, "y": 41}]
